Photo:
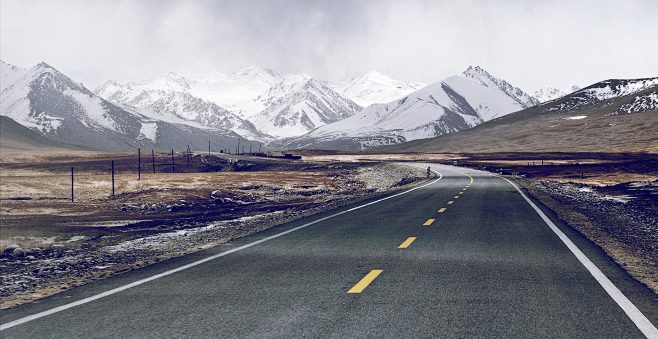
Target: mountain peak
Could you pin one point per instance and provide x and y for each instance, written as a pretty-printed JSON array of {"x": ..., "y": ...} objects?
[
  {"x": 376, "y": 76},
  {"x": 257, "y": 69},
  {"x": 476, "y": 72}
]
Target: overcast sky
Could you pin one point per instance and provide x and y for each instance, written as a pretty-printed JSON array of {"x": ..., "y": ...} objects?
[{"x": 532, "y": 44}]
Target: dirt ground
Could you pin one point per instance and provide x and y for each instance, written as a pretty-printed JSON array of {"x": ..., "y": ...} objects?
[{"x": 50, "y": 243}]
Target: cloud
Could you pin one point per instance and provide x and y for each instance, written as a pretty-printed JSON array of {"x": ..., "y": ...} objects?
[{"x": 530, "y": 43}]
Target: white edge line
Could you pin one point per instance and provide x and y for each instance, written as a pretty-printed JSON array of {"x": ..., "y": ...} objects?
[
  {"x": 642, "y": 323},
  {"x": 196, "y": 263}
]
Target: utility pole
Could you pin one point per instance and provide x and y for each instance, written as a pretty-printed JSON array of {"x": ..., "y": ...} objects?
[
  {"x": 153, "y": 160},
  {"x": 112, "y": 179},
  {"x": 237, "y": 148},
  {"x": 208, "y": 147},
  {"x": 189, "y": 155},
  {"x": 249, "y": 148},
  {"x": 139, "y": 164},
  {"x": 72, "y": 182},
  {"x": 172, "y": 161}
]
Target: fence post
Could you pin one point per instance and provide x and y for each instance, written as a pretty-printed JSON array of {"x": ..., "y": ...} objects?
[
  {"x": 112, "y": 179},
  {"x": 139, "y": 164},
  {"x": 153, "y": 160},
  {"x": 72, "y": 182}
]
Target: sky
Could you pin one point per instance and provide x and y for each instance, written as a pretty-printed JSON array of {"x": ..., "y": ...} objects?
[{"x": 531, "y": 44}]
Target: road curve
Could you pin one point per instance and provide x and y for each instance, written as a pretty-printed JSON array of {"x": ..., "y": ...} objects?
[{"x": 464, "y": 256}]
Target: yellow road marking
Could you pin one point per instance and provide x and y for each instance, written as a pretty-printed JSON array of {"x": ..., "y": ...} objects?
[
  {"x": 407, "y": 242},
  {"x": 450, "y": 202},
  {"x": 361, "y": 285},
  {"x": 443, "y": 209},
  {"x": 428, "y": 222},
  {"x": 456, "y": 197}
]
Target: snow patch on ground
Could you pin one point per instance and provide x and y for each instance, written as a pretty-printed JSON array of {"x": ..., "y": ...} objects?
[
  {"x": 577, "y": 117},
  {"x": 149, "y": 130}
]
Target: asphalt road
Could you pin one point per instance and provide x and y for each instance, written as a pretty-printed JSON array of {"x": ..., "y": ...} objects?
[{"x": 487, "y": 266}]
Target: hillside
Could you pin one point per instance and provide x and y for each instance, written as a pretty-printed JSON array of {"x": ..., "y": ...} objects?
[
  {"x": 16, "y": 137},
  {"x": 610, "y": 116},
  {"x": 453, "y": 104}
]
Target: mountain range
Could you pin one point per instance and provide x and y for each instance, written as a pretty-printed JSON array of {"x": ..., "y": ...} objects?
[
  {"x": 551, "y": 93},
  {"x": 453, "y": 104},
  {"x": 617, "y": 115},
  {"x": 281, "y": 111},
  {"x": 46, "y": 101}
]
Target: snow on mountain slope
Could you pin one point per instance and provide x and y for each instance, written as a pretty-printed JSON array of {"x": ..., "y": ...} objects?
[
  {"x": 9, "y": 74},
  {"x": 454, "y": 104},
  {"x": 299, "y": 104},
  {"x": 236, "y": 92},
  {"x": 277, "y": 105},
  {"x": 488, "y": 80},
  {"x": 42, "y": 97},
  {"x": 642, "y": 103},
  {"x": 601, "y": 91},
  {"x": 45, "y": 100},
  {"x": 168, "y": 98},
  {"x": 550, "y": 93},
  {"x": 373, "y": 87}
]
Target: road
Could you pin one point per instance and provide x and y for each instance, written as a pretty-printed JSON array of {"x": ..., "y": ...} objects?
[{"x": 464, "y": 255}]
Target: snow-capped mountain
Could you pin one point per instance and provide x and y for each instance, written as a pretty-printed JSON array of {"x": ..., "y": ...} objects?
[
  {"x": 279, "y": 106},
  {"x": 456, "y": 103},
  {"x": 373, "y": 88},
  {"x": 168, "y": 98},
  {"x": 483, "y": 77},
  {"x": 550, "y": 93},
  {"x": 602, "y": 91},
  {"x": 609, "y": 116},
  {"x": 299, "y": 104},
  {"x": 45, "y": 100},
  {"x": 236, "y": 92}
]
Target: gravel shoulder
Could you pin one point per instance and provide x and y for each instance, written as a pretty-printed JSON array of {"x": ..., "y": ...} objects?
[{"x": 622, "y": 219}]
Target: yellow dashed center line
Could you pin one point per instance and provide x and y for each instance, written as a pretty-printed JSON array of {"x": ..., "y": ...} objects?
[
  {"x": 443, "y": 209},
  {"x": 428, "y": 222},
  {"x": 456, "y": 197},
  {"x": 407, "y": 242},
  {"x": 450, "y": 202},
  {"x": 462, "y": 192},
  {"x": 367, "y": 280}
]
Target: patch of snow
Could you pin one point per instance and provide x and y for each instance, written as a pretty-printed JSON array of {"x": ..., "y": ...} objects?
[
  {"x": 93, "y": 109},
  {"x": 576, "y": 117},
  {"x": 149, "y": 130}
]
